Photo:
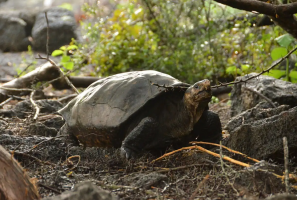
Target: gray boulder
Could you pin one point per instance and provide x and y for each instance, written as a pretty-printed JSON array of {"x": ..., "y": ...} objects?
[
  {"x": 260, "y": 178},
  {"x": 15, "y": 30},
  {"x": 259, "y": 132},
  {"x": 276, "y": 90},
  {"x": 62, "y": 28},
  {"x": 85, "y": 191}
]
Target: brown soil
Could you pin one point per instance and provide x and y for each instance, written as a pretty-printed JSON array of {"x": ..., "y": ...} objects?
[{"x": 188, "y": 174}]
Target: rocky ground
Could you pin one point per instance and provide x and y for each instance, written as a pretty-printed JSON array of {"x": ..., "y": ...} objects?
[
  {"x": 189, "y": 174},
  {"x": 252, "y": 125}
]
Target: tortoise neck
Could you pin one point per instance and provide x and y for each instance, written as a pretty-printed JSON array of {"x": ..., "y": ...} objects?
[{"x": 194, "y": 110}]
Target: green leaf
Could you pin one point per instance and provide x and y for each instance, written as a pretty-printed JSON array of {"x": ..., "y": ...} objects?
[
  {"x": 71, "y": 47},
  {"x": 68, "y": 65},
  {"x": 293, "y": 74},
  {"x": 284, "y": 40},
  {"x": 276, "y": 73},
  {"x": 57, "y": 53},
  {"x": 231, "y": 70},
  {"x": 266, "y": 37},
  {"x": 278, "y": 53},
  {"x": 65, "y": 58},
  {"x": 63, "y": 48},
  {"x": 245, "y": 68}
]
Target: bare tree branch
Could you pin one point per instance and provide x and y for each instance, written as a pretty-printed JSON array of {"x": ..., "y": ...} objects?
[
  {"x": 262, "y": 7},
  {"x": 282, "y": 15}
]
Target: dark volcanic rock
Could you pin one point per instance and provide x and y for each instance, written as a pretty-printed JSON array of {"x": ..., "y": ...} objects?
[
  {"x": 261, "y": 111},
  {"x": 14, "y": 30},
  {"x": 85, "y": 191},
  {"x": 42, "y": 130},
  {"x": 259, "y": 133},
  {"x": 56, "y": 123},
  {"x": 276, "y": 90},
  {"x": 62, "y": 27},
  {"x": 261, "y": 178},
  {"x": 24, "y": 108}
]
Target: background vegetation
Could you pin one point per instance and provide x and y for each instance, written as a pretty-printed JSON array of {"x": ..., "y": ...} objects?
[{"x": 187, "y": 39}]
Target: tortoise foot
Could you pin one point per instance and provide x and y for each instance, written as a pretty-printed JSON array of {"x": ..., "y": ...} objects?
[{"x": 128, "y": 153}]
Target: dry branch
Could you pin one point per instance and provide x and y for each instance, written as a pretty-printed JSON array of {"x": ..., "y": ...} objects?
[
  {"x": 33, "y": 157},
  {"x": 262, "y": 7},
  {"x": 257, "y": 75},
  {"x": 230, "y": 150},
  {"x": 261, "y": 95},
  {"x": 19, "y": 86},
  {"x": 65, "y": 77},
  {"x": 15, "y": 184},
  {"x": 206, "y": 151},
  {"x": 282, "y": 14}
]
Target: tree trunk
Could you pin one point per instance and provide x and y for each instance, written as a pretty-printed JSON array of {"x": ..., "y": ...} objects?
[{"x": 15, "y": 184}]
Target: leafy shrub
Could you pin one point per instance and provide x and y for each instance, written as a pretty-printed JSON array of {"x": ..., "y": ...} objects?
[{"x": 188, "y": 39}]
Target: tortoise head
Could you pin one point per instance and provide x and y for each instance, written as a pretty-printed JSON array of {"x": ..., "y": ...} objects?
[{"x": 198, "y": 94}]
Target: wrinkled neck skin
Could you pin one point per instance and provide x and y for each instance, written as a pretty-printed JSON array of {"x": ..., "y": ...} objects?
[
  {"x": 183, "y": 123},
  {"x": 195, "y": 110}
]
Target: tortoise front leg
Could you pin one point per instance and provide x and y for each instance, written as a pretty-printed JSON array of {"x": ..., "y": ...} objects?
[{"x": 141, "y": 137}]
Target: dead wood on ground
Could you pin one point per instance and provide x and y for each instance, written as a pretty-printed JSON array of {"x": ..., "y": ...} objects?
[{"x": 15, "y": 183}]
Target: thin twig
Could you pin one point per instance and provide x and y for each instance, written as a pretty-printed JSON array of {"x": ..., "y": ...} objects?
[
  {"x": 153, "y": 15},
  {"x": 199, "y": 186},
  {"x": 50, "y": 188},
  {"x": 183, "y": 167},
  {"x": 221, "y": 157},
  {"x": 24, "y": 70},
  {"x": 44, "y": 141},
  {"x": 230, "y": 150},
  {"x": 255, "y": 76},
  {"x": 16, "y": 89},
  {"x": 206, "y": 151},
  {"x": 70, "y": 162},
  {"x": 66, "y": 78},
  {"x": 261, "y": 95},
  {"x": 111, "y": 186},
  {"x": 51, "y": 81},
  {"x": 47, "y": 35},
  {"x": 223, "y": 169},
  {"x": 66, "y": 97},
  {"x": 286, "y": 158},
  {"x": 6, "y": 101},
  {"x": 167, "y": 87},
  {"x": 17, "y": 97},
  {"x": 239, "y": 81},
  {"x": 33, "y": 157},
  {"x": 18, "y": 147},
  {"x": 36, "y": 107}
]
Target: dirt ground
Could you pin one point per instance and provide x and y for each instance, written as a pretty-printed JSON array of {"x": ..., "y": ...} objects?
[{"x": 188, "y": 174}]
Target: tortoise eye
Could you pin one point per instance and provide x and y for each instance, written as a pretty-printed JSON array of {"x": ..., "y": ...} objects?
[{"x": 196, "y": 86}]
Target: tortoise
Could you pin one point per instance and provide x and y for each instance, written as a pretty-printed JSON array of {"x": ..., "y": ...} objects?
[{"x": 125, "y": 110}]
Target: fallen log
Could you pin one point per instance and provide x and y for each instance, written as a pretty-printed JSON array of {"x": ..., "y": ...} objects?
[
  {"x": 15, "y": 184},
  {"x": 45, "y": 72}
]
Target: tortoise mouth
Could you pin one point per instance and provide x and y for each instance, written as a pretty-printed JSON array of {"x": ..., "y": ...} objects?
[
  {"x": 203, "y": 95},
  {"x": 208, "y": 90}
]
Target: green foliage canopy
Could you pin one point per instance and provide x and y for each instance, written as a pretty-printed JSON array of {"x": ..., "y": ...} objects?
[{"x": 188, "y": 39}]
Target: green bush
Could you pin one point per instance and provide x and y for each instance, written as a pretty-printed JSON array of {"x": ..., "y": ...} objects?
[{"x": 188, "y": 39}]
